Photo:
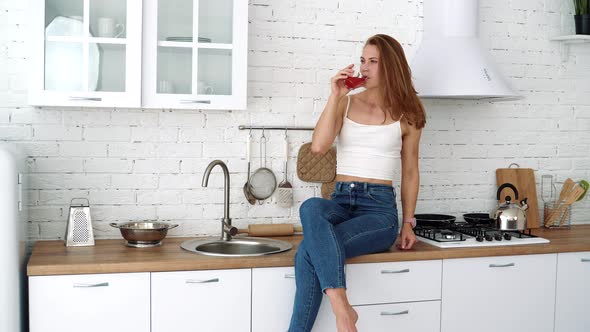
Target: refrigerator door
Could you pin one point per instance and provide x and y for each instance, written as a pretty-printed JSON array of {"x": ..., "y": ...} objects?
[{"x": 12, "y": 272}]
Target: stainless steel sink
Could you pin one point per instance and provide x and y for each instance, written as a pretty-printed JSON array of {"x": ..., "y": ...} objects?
[
  {"x": 228, "y": 245},
  {"x": 236, "y": 247}
]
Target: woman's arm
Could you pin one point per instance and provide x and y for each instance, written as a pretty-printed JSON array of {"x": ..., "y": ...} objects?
[
  {"x": 410, "y": 182},
  {"x": 330, "y": 122}
]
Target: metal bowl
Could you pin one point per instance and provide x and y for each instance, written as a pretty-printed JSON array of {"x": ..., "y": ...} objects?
[{"x": 144, "y": 233}]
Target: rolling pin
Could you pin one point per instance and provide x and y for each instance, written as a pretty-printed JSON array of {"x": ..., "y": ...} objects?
[{"x": 271, "y": 229}]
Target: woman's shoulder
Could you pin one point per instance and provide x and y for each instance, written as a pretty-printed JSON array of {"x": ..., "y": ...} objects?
[{"x": 408, "y": 128}]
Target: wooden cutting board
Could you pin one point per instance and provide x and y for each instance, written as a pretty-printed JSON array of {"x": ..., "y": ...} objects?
[{"x": 524, "y": 181}]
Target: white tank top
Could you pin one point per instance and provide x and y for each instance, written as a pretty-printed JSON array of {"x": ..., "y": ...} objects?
[{"x": 368, "y": 151}]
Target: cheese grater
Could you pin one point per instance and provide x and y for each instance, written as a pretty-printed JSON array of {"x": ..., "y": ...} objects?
[{"x": 79, "y": 230}]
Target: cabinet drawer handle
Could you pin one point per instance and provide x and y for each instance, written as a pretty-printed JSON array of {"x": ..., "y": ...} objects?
[
  {"x": 193, "y": 281},
  {"x": 85, "y": 98},
  {"x": 585, "y": 260},
  {"x": 387, "y": 313},
  {"x": 188, "y": 101},
  {"x": 502, "y": 265},
  {"x": 392, "y": 271},
  {"x": 102, "y": 284},
  {"x": 289, "y": 276}
]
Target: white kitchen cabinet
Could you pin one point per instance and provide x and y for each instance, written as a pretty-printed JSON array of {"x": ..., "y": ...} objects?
[
  {"x": 90, "y": 303},
  {"x": 421, "y": 316},
  {"x": 394, "y": 282},
  {"x": 195, "y": 54},
  {"x": 509, "y": 294},
  {"x": 273, "y": 292},
  {"x": 212, "y": 301},
  {"x": 86, "y": 53},
  {"x": 572, "y": 292}
]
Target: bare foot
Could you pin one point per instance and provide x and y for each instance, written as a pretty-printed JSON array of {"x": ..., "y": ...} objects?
[{"x": 346, "y": 320}]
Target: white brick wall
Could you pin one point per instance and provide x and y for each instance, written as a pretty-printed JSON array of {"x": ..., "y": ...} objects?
[{"x": 150, "y": 163}]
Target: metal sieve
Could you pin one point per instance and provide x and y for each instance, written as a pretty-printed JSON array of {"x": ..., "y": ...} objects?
[{"x": 263, "y": 181}]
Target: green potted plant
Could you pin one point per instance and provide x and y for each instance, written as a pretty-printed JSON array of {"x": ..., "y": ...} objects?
[{"x": 581, "y": 17}]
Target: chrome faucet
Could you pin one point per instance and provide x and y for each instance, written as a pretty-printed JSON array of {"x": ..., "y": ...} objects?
[{"x": 227, "y": 230}]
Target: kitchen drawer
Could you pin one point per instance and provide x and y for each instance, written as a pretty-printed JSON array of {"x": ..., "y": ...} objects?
[
  {"x": 93, "y": 302},
  {"x": 394, "y": 282},
  {"x": 407, "y": 317},
  {"x": 212, "y": 301}
]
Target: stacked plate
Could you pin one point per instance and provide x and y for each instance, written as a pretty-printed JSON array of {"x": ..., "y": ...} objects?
[
  {"x": 63, "y": 61},
  {"x": 188, "y": 39}
]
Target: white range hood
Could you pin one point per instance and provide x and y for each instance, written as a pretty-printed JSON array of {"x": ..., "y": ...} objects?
[{"x": 450, "y": 62}]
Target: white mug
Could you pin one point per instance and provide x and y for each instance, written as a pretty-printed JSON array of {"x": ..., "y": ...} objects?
[
  {"x": 165, "y": 86},
  {"x": 108, "y": 29},
  {"x": 203, "y": 88}
]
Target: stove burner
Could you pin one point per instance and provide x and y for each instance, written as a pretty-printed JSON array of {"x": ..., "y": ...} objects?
[
  {"x": 458, "y": 232},
  {"x": 448, "y": 235},
  {"x": 439, "y": 234}
]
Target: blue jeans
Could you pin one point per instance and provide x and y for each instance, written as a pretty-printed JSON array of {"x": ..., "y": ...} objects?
[{"x": 361, "y": 218}]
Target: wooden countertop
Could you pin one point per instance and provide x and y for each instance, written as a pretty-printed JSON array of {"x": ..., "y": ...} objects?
[{"x": 112, "y": 256}]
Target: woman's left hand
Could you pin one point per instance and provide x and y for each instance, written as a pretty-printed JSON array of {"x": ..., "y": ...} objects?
[{"x": 408, "y": 238}]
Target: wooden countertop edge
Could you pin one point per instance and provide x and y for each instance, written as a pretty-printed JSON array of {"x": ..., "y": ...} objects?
[{"x": 111, "y": 256}]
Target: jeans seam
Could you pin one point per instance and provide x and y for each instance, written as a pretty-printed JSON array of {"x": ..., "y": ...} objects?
[
  {"x": 366, "y": 233},
  {"x": 309, "y": 304},
  {"x": 338, "y": 253},
  {"x": 332, "y": 214}
]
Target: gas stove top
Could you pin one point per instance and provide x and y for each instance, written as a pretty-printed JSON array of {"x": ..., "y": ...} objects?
[{"x": 457, "y": 235}]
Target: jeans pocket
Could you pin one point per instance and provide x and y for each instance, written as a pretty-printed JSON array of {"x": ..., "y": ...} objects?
[{"x": 381, "y": 197}]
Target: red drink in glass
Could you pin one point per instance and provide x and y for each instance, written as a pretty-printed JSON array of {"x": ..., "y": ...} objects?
[{"x": 354, "y": 82}]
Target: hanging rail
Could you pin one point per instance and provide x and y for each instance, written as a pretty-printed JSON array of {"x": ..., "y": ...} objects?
[{"x": 242, "y": 127}]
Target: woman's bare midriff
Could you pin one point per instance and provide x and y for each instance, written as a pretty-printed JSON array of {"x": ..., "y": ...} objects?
[{"x": 350, "y": 178}]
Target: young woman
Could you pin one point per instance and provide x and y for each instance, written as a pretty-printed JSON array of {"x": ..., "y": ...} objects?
[{"x": 375, "y": 129}]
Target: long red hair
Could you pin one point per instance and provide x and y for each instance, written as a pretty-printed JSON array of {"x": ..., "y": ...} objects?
[{"x": 398, "y": 92}]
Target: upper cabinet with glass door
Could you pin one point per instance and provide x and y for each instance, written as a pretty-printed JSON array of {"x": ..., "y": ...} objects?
[
  {"x": 86, "y": 53},
  {"x": 195, "y": 54}
]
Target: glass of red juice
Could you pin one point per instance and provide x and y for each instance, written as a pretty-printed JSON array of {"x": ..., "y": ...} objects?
[{"x": 354, "y": 82}]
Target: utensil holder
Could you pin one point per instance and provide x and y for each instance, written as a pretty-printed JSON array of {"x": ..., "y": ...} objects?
[{"x": 565, "y": 215}]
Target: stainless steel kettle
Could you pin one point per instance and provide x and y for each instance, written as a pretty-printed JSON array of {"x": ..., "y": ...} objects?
[{"x": 510, "y": 216}]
